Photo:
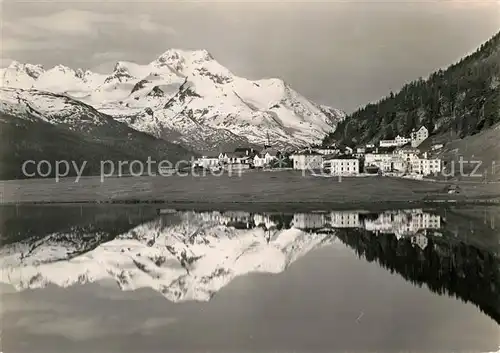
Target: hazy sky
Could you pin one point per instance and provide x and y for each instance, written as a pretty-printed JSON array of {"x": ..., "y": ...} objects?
[{"x": 341, "y": 53}]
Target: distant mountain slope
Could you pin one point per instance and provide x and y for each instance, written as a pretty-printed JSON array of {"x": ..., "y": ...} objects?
[
  {"x": 44, "y": 126},
  {"x": 462, "y": 100},
  {"x": 189, "y": 98}
]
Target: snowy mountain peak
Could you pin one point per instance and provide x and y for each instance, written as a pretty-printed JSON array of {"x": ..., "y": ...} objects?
[
  {"x": 122, "y": 66},
  {"x": 80, "y": 74},
  {"x": 179, "y": 56},
  {"x": 174, "y": 58},
  {"x": 186, "y": 96},
  {"x": 198, "y": 63},
  {"x": 63, "y": 69},
  {"x": 16, "y": 65},
  {"x": 35, "y": 71},
  {"x": 20, "y": 75}
]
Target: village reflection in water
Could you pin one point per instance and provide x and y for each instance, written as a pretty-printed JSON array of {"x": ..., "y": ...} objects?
[
  {"x": 191, "y": 255},
  {"x": 412, "y": 223}
]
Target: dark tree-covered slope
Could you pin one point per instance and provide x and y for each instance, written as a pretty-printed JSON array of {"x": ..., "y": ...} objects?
[{"x": 459, "y": 101}]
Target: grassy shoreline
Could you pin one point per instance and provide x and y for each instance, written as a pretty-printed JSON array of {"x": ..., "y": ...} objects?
[{"x": 285, "y": 189}]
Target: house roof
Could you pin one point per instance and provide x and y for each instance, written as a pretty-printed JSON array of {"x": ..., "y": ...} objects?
[
  {"x": 330, "y": 148},
  {"x": 420, "y": 128},
  {"x": 335, "y": 156},
  {"x": 271, "y": 151},
  {"x": 307, "y": 152},
  {"x": 236, "y": 154}
]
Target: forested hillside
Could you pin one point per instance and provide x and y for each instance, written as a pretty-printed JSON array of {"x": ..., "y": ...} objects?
[{"x": 461, "y": 101}]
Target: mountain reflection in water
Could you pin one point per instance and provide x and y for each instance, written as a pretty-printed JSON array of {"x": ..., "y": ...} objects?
[{"x": 189, "y": 255}]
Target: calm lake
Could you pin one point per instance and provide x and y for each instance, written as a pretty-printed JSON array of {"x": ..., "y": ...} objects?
[{"x": 130, "y": 278}]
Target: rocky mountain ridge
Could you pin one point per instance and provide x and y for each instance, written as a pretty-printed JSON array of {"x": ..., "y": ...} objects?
[{"x": 187, "y": 97}]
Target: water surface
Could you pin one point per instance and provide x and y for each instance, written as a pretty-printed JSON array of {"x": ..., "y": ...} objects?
[{"x": 127, "y": 279}]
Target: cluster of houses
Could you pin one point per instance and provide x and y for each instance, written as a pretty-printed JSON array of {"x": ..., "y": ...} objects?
[
  {"x": 416, "y": 138},
  {"x": 242, "y": 158},
  {"x": 400, "y": 156}
]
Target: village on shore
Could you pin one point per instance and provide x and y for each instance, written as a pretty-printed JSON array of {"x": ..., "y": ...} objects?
[{"x": 399, "y": 157}]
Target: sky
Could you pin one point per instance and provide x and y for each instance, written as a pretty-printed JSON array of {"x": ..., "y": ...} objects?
[{"x": 340, "y": 53}]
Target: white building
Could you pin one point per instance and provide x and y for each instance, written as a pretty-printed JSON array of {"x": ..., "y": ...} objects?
[
  {"x": 425, "y": 166},
  {"x": 397, "y": 142},
  {"x": 407, "y": 153},
  {"x": 401, "y": 141},
  {"x": 425, "y": 220},
  {"x": 228, "y": 218},
  {"x": 386, "y": 162},
  {"x": 265, "y": 157},
  {"x": 327, "y": 151},
  {"x": 342, "y": 166},
  {"x": 419, "y": 136},
  {"x": 416, "y": 138},
  {"x": 360, "y": 152},
  {"x": 404, "y": 159},
  {"x": 387, "y": 143},
  {"x": 234, "y": 158},
  {"x": 258, "y": 161},
  {"x": 307, "y": 160},
  {"x": 308, "y": 220},
  {"x": 344, "y": 219},
  {"x": 208, "y": 161},
  {"x": 403, "y": 222}
]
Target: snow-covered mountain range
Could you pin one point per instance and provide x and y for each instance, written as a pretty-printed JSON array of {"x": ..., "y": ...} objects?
[
  {"x": 189, "y": 256},
  {"x": 186, "y": 97}
]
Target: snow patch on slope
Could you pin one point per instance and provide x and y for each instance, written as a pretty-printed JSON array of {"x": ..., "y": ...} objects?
[{"x": 50, "y": 107}]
